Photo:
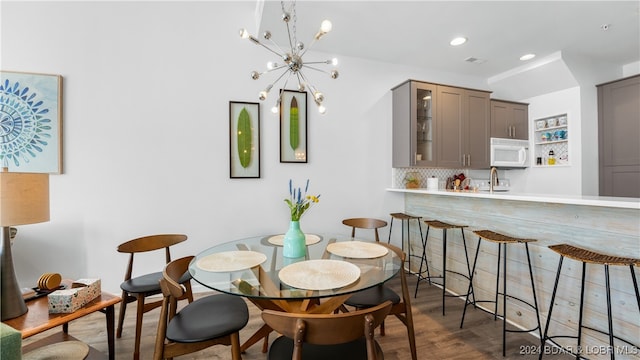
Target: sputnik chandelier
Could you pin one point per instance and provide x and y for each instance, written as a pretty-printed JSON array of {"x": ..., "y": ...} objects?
[{"x": 292, "y": 65}]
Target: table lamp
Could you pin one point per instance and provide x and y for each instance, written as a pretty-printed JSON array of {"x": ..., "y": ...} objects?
[{"x": 24, "y": 199}]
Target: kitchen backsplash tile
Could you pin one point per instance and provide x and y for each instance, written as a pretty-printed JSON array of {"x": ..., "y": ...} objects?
[{"x": 399, "y": 175}]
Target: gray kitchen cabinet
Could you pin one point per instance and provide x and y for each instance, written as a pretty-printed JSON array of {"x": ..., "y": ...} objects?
[
  {"x": 413, "y": 124},
  {"x": 618, "y": 132},
  {"x": 509, "y": 120},
  {"x": 440, "y": 126}
]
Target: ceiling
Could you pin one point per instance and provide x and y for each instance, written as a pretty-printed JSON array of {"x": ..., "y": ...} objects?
[{"x": 417, "y": 33}]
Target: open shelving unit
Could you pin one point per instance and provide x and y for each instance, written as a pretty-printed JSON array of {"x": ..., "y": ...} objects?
[{"x": 551, "y": 133}]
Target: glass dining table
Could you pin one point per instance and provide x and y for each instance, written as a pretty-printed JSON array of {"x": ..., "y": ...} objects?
[{"x": 334, "y": 267}]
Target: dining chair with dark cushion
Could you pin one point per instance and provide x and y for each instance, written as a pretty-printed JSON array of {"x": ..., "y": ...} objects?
[
  {"x": 365, "y": 223},
  {"x": 401, "y": 302},
  {"x": 326, "y": 336},
  {"x": 210, "y": 320},
  {"x": 138, "y": 288}
]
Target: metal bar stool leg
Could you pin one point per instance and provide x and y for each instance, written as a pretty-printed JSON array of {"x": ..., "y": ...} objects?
[
  {"x": 444, "y": 267},
  {"x": 504, "y": 300},
  {"x": 553, "y": 297},
  {"x": 495, "y": 311},
  {"x": 635, "y": 286},
  {"x": 533, "y": 288},
  {"x": 584, "y": 270},
  {"x": 609, "y": 314},
  {"x": 470, "y": 288},
  {"x": 426, "y": 263}
]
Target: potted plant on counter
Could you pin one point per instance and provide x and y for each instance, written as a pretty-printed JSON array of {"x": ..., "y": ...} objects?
[{"x": 412, "y": 180}]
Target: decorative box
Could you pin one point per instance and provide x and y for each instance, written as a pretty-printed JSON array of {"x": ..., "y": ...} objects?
[{"x": 69, "y": 300}]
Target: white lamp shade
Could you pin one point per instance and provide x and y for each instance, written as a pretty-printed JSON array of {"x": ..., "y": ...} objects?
[{"x": 24, "y": 198}]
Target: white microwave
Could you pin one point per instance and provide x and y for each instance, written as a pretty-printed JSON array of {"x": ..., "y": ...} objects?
[{"x": 509, "y": 153}]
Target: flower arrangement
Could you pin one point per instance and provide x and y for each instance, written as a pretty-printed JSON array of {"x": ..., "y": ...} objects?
[{"x": 299, "y": 202}]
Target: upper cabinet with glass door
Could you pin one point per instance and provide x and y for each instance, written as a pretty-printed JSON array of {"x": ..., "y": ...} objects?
[{"x": 413, "y": 124}]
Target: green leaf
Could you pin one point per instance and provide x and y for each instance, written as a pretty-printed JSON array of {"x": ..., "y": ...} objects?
[
  {"x": 244, "y": 138},
  {"x": 294, "y": 125}
]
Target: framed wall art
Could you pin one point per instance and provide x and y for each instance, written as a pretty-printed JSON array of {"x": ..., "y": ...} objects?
[
  {"x": 293, "y": 127},
  {"x": 244, "y": 139},
  {"x": 31, "y": 122}
]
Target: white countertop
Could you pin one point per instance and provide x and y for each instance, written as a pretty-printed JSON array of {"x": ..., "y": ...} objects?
[{"x": 605, "y": 201}]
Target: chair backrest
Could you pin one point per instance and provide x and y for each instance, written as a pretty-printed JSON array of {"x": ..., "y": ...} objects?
[
  {"x": 171, "y": 277},
  {"x": 365, "y": 223},
  {"x": 149, "y": 243},
  {"x": 327, "y": 329}
]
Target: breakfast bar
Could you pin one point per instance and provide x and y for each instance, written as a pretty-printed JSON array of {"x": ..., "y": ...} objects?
[{"x": 603, "y": 224}]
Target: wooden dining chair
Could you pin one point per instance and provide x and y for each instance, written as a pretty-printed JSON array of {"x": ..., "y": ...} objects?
[
  {"x": 401, "y": 303},
  {"x": 138, "y": 288},
  {"x": 326, "y": 336},
  {"x": 365, "y": 223},
  {"x": 210, "y": 320}
]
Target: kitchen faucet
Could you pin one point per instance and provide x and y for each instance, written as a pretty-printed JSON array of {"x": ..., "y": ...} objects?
[{"x": 492, "y": 182}]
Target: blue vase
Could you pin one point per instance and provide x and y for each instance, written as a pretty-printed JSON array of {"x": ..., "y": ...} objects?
[{"x": 294, "y": 242}]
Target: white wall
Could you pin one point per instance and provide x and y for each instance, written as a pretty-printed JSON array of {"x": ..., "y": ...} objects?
[{"x": 146, "y": 93}]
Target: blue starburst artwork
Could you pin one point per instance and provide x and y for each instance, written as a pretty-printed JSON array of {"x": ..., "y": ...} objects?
[{"x": 30, "y": 122}]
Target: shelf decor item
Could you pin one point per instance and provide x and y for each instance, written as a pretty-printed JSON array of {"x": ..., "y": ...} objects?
[
  {"x": 293, "y": 127},
  {"x": 244, "y": 140},
  {"x": 294, "y": 242},
  {"x": 31, "y": 138}
]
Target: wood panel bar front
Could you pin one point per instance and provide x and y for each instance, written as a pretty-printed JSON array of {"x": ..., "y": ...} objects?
[{"x": 608, "y": 229}]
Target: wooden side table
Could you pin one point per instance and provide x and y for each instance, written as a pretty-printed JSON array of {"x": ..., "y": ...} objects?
[{"x": 37, "y": 319}]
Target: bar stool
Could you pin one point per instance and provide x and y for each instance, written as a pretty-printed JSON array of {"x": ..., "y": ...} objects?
[
  {"x": 436, "y": 224},
  {"x": 503, "y": 241},
  {"x": 587, "y": 256},
  {"x": 406, "y": 221}
]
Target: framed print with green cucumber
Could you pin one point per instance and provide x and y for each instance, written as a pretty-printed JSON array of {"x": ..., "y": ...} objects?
[
  {"x": 293, "y": 126},
  {"x": 244, "y": 139}
]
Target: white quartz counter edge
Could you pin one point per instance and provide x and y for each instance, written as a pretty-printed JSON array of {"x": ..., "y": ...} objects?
[{"x": 614, "y": 202}]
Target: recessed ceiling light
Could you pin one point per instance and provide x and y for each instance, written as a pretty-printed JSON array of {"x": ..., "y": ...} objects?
[
  {"x": 527, "y": 57},
  {"x": 458, "y": 41}
]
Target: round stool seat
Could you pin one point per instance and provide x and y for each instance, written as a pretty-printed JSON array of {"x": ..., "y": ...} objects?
[
  {"x": 436, "y": 224},
  {"x": 500, "y": 238},
  {"x": 403, "y": 216},
  {"x": 593, "y": 257}
]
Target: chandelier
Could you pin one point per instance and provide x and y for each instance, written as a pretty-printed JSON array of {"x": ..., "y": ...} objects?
[{"x": 292, "y": 64}]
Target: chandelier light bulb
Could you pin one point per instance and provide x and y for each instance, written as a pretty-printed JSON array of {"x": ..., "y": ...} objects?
[
  {"x": 275, "y": 109},
  {"x": 322, "y": 109},
  {"x": 326, "y": 26},
  {"x": 318, "y": 96},
  {"x": 334, "y": 61},
  {"x": 271, "y": 65},
  {"x": 255, "y": 75},
  {"x": 263, "y": 95},
  {"x": 301, "y": 87},
  {"x": 267, "y": 35},
  {"x": 300, "y": 45},
  {"x": 244, "y": 33},
  {"x": 286, "y": 17},
  {"x": 334, "y": 74}
]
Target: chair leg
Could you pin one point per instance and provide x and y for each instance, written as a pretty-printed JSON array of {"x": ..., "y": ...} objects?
[
  {"x": 390, "y": 228},
  {"x": 609, "y": 315},
  {"x": 139, "y": 314},
  {"x": 635, "y": 286},
  {"x": 533, "y": 290},
  {"x": 123, "y": 309},
  {"x": 424, "y": 260}
]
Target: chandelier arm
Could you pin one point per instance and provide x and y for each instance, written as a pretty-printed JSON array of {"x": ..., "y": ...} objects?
[
  {"x": 278, "y": 79},
  {"x": 315, "y": 68},
  {"x": 308, "y": 47},
  {"x": 290, "y": 39},
  {"x": 268, "y": 48},
  {"x": 282, "y": 52},
  {"x": 309, "y": 84}
]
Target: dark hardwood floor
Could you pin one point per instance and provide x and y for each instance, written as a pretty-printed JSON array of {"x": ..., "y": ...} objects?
[{"x": 437, "y": 336}]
